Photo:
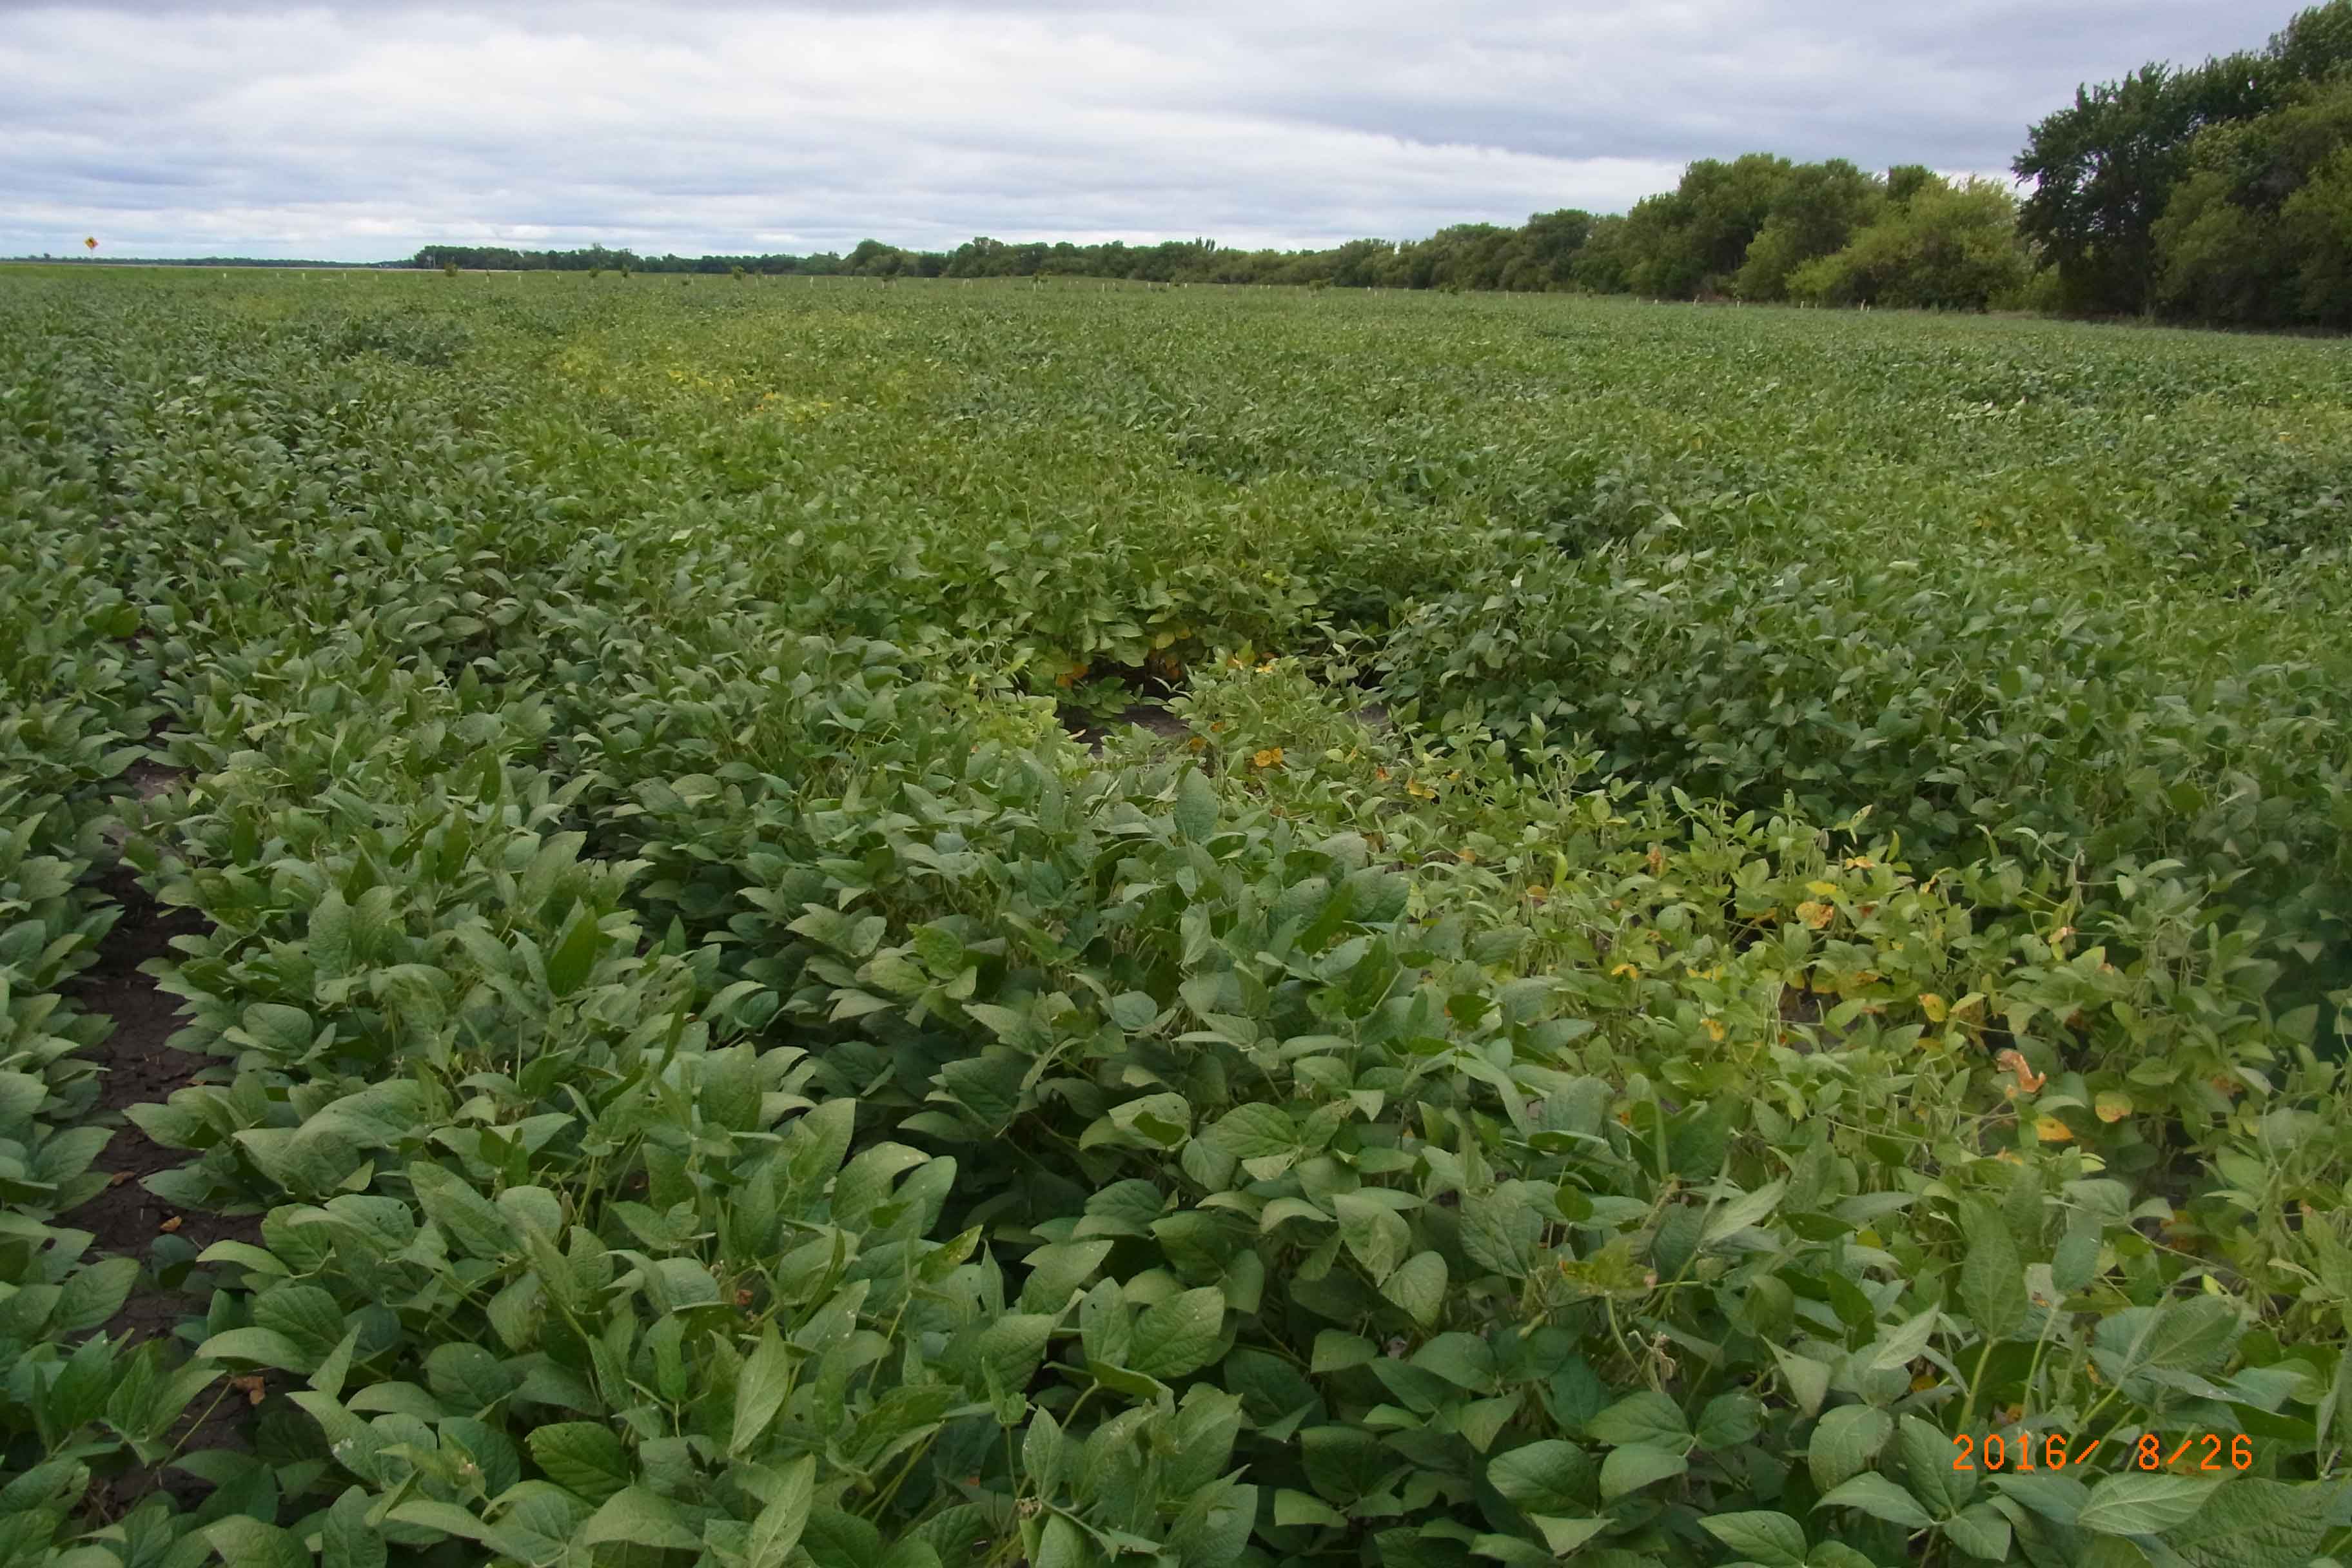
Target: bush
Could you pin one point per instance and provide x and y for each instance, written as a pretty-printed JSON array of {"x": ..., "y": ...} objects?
[{"x": 1948, "y": 247}]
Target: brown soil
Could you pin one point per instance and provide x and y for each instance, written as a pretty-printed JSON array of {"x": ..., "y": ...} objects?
[
  {"x": 149, "y": 779},
  {"x": 1151, "y": 715},
  {"x": 140, "y": 1069},
  {"x": 126, "y": 1219},
  {"x": 1799, "y": 1006}
]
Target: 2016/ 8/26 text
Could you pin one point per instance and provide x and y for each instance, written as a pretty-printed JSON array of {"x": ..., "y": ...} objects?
[{"x": 1997, "y": 1451}]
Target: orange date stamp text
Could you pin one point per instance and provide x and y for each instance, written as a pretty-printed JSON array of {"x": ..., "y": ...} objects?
[{"x": 2019, "y": 1452}]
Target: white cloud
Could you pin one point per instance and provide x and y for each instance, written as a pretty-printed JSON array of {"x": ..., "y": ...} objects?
[{"x": 363, "y": 131}]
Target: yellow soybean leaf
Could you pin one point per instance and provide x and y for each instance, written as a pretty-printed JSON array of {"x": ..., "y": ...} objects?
[
  {"x": 2050, "y": 1130},
  {"x": 2113, "y": 1105}
]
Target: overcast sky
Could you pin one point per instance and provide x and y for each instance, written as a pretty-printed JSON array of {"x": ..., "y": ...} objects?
[{"x": 361, "y": 132}]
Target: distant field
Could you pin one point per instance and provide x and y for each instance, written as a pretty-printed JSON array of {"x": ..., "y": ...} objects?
[{"x": 1711, "y": 900}]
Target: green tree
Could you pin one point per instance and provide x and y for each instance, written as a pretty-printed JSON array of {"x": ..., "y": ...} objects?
[
  {"x": 1654, "y": 254},
  {"x": 2317, "y": 221},
  {"x": 1949, "y": 247},
  {"x": 1691, "y": 240},
  {"x": 2257, "y": 233},
  {"x": 1907, "y": 180},
  {"x": 2316, "y": 46},
  {"x": 2105, "y": 169},
  {"x": 1358, "y": 263},
  {"x": 1542, "y": 253},
  {"x": 1816, "y": 212},
  {"x": 1602, "y": 265},
  {"x": 2218, "y": 259},
  {"x": 1466, "y": 256},
  {"x": 872, "y": 259}
]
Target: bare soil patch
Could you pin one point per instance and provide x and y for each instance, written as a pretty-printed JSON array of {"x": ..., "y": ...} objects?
[
  {"x": 126, "y": 1220},
  {"x": 1093, "y": 731}
]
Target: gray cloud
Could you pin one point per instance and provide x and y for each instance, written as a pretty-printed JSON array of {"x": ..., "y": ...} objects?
[{"x": 363, "y": 131}]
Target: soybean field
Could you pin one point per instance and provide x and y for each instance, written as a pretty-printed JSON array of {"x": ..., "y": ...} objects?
[{"x": 657, "y": 922}]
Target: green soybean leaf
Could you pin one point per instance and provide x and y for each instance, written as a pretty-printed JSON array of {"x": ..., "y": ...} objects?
[
  {"x": 1418, "y": 1287},
  {"x": 1196, "y": 806},
  {"x": 777, "y": 1529},
  {"x": 1565, "y": 1535},
  {"x": 245, "y": 1542},
  {"x": 330, "y": 936},
  {"x": 2137, "y": 1504},
  {"x": 1992, "y": 1275},
  {"x": 637, "y": 1516},
  {"x": 1773, "y": 1540},
  {"x": 1877, "y": 1496},
  {"x": 346, "y": 1540},
  {"x": 1645, "y": 1418},
  {"x": 575, "y": 954},
  {"x": 1928, "y": 1466},
  {"x": 1981, "y": 1531},
  {"x": 266, "y": 1347},
  {"x": 94, "y": 1293},
  {"x": 2250, "y": 1522},
  {"x": 1844, "y": 1441},
  {"x": 1062, "y": 1544},
  {"x": 1254, "y": 1131},
  {"x": 760, "y": 1393},
  {"x": 1636, "y": 1466},
  {"x": 1544, "y": 1477},
  {"x": 1180, "y": 1335},
  {"x": 582, "y": 1456}
]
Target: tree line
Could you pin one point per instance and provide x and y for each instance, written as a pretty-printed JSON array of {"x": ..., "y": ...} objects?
[
  {"x": 2219, "y": 193},
  {"x": 1756, "y": 227}
]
